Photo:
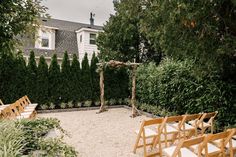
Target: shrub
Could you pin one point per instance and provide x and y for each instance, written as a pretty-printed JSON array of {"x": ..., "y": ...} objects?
[
  {"x": 79, "y": 104},
  {"x": 176, "y": 86},
  {"x": 63, "y": 105},
  {"x": 52, "y": 106},
  {"x": 112, "y": 102},
  {"x": 44, "y": 106},
  {"x": 97, "y": 103},
  {"x": 56, "y": 147},
  {"x": 12, "y": 139},
  {"x": 88, "y": 103},
  {"x": 70, "y": 104}
]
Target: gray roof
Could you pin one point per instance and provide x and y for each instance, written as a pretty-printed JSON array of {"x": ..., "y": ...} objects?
[
  {"x": 65, "y": 38},
  {"x": 67, "y": 25}
]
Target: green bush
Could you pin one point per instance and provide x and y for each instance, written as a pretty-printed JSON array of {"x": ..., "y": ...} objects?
[
  {"x": 12, "y": 139},
  {"x": 176, "y": 86},
  {"x": 27, "y": 137},
  {"x": 56, "y": 147}
]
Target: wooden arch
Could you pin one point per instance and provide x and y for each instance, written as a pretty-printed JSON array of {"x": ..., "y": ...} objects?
[{"x": 117, "y": 64}]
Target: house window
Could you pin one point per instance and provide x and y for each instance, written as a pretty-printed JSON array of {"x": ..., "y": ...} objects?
[
  {"x": 45, "y": 40},
  {"x": 92, "y": 39},
  {"x": 81, "y": 38}
]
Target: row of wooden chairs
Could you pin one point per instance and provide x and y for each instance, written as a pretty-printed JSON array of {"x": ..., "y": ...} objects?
[
  {"x": 168, "y": 130},
  {"x": 22, "y": 108},
  {"x": 220, "y": 144}
]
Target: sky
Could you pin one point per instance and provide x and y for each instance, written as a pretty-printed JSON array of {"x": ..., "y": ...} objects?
[{"x": 79, "y": 10}]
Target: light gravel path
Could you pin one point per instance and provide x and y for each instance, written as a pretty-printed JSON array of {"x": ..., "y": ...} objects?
[{"x": 109, "y": 134}]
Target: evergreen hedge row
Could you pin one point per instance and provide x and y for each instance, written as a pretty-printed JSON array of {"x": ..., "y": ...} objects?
[{"x": 53, "y": 86}]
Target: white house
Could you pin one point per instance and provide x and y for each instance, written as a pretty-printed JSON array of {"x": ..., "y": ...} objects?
[{"x": 57, "y": 36}]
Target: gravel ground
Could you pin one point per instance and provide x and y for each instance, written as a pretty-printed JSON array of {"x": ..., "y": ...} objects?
[{"x": 109, "y": 134}]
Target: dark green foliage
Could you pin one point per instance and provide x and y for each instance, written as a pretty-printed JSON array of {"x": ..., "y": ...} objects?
[
  {"x": 116, "y": 83},
  {"x": 7, "y": 77},
  {"x": 75, "y": 81},
  {"x": 122, "y": 38},
  {"x": 202, "y": 31},
  {"x": 33, "y": 138},
  {"x": 42, "y": 82},
  {"x": 54, "y": 79},
  {"x": 20, "y": 77},
  {"x": 94, "y": 78},
  {"x": 175, "y": 87},
  {"x": 31, "y": 85},
  {"x": 17, "y": 17},
  {"x": 65, "y": 77},
  {"x": 86, "y": 79}
]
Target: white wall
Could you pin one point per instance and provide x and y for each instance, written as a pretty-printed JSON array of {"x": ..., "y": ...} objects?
[
  {"x": 85, "y": 46},
  {"x": 51, "y": 36}
]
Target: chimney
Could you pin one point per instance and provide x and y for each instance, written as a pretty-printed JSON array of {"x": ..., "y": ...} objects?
[{"x": 91, "y": 18}]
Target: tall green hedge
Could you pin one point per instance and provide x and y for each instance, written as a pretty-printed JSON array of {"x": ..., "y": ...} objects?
[
  {"x": 175, "y": 86},
  {"x": 31, "y": 77},
  {"x": 65, "y": 77},
  {"x": 45, "y": 84},
  {"x": 75, "y": 84},
  {"x": 42, "y": 81},
  {"x": 54, "y": 78}
]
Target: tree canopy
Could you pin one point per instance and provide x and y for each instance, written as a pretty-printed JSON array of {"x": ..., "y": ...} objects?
[{"x": 17, "y": 17}]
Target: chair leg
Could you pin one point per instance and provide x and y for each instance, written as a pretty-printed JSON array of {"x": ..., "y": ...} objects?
[
  {"x": 144, "y": 146},
  {"x": 136, "y": 144}
]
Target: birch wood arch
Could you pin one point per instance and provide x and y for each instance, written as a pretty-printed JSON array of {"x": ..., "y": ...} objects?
[{"x": 117, "y": 64}]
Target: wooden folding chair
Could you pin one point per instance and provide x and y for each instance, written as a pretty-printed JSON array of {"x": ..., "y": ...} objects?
[
  {"x": 229, "y": 143},
  {"x": 186, "y": 129},
  {"x": 201, "y": 124},
  {"x": 7, "y": 113},
  {"x": 145, "y": 133},
  {"x": 23, "y": 112},
  {"x": 182, "y": 149},
  {"x": 29, "y": 102},
  {"x": 167, "y": 129},
  {"x": 208, "y": 149}
]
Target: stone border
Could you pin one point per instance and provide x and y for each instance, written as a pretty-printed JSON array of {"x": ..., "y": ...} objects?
[
  {"x": 95, "y": 108},
  {"x": 77, "y": 109}
]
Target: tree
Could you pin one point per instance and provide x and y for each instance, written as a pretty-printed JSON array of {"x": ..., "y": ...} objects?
[
  {"x": 202, "y": 31},
  {"x": 31, "y": 77},
  {"x": 86, "y": 79},
  {"x": 17, "y": 17},
  {"x": 94, "y": 78},
  {"x": 75, "y": 85},
  {"x": 20, "y": 71},
  {"x": 128, "y": 42},
  {"x": 7, "y": 78},
  {"x": 65, "y": 77},
  {"x": 42, "y": 81},
  {"x": 54, "y": 79}
]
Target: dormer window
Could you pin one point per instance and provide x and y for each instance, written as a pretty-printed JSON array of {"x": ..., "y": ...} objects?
[
  {"x": 92, "y": 39},
  {"x": 45, "y": 40}
]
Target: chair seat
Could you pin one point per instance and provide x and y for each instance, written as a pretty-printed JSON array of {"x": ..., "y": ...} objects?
[
  {"x": 26, "y": 113},
  {"x": 205, "y": 125},
  {"x": 184, "y": 152},
  {"x": 187, "y": 126},
  {"x": 148, "y": 132},
  {"x": 34, "y": 104},
  {"x": 23, "y": 116},
  {"x": 171, "y": 129},
  {"x": 29, "y": 109},
  {"x": 211, "y": 148}
]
